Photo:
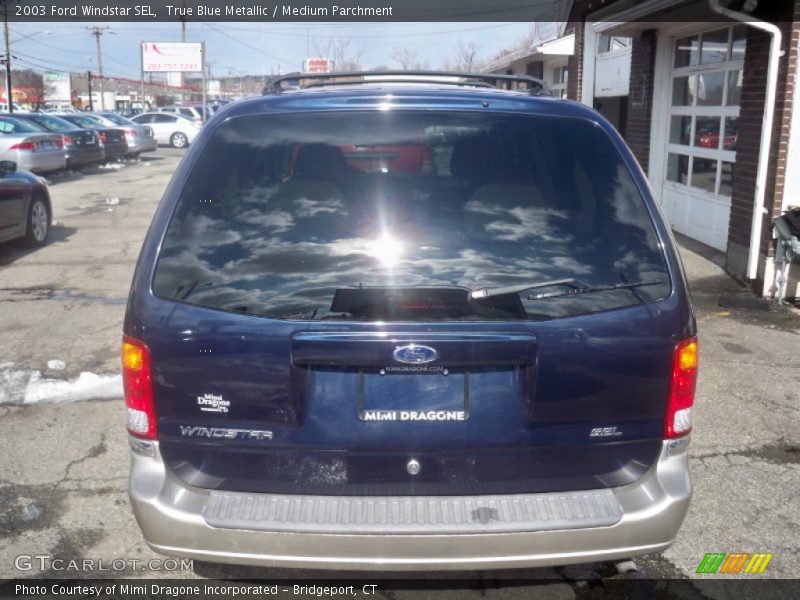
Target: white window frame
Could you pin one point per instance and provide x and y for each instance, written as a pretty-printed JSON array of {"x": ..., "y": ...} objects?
[
  {"x": 694, "y": 111},
  {"x": 614, "y": 51},
  {"x": 559, "y": 89}
]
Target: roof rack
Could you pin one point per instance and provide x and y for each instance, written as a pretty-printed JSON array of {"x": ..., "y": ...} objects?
[{"x": 532, "y": 85}]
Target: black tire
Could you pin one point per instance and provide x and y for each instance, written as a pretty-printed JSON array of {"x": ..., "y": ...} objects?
[
  {"x": 178, "y": 140},
  {"x": 37, "y": 224}
]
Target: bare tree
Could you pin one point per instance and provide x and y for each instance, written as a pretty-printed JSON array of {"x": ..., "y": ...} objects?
[
  {"x": 525, "y": 41},
  {"x": 464, "y": 57},
  {"x": 344, "y": 57},
  {"x": 408, "y": 59}
]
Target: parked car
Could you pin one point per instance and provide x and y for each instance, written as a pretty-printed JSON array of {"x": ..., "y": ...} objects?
[
  {"x": 29, "y": 147},
  {"x": 25, "y": 209},
  {"x": 490, "y": 365},
  {"x": 175, "y": 130},
  {"x": 140, "y": 138},
  {"x": 81, "y": 146},
  {"x": 59, "y": 109},
  {"x": 193, "y": 112},
  {"x": 129, "y": 112},
  {"x": 112, "y": 138},
  {"x": 710, "y": 139}
]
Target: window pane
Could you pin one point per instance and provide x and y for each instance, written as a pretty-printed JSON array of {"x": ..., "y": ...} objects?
[
  {"x": 301, "y": 216},
  {"x": 709, "y": 89},
  {"x": 738, "y": 42},
  {"x": 604, "y": 43},
  {"x": 678, "y": 168},
  {"x": 731, "y": 133},
  {"x": 687, "y": 52},
  {"x": 726, "y": 179},
  {"x": 706, "y": 132},
  {"x": 683, "y": 90},
  {"x": 680, "y": 130},
  {"x": 715, "y": 47},
  {"x": 560, "y": 75},
  {"x": 734, "y": 88},
  {"x": 704, "y": 174}
]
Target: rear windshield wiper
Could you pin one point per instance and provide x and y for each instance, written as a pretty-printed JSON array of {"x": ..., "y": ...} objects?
[
  {"x": 577, "y": 287},
  {"x": 597, "y": 288},
  {"x": 523, "y": 287}
]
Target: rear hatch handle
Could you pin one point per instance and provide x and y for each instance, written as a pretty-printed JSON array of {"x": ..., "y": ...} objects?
[{"x": 379, "y": 349}]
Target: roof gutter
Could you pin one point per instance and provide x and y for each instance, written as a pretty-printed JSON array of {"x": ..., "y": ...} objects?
[{"x": 766, "y": 127}]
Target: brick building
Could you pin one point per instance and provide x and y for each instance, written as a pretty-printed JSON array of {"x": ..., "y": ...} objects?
[{"x": 691, "y": 82}]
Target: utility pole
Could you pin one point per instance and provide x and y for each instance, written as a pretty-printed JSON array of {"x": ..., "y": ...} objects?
[
  {"x": 209, "y": 77},
  {"x": 264, "y": 44},
  {"x": 183, "y": 40},
  {"x": 89, "y": 85},
  {"x": 97, "y": 32},
  {"x": 9, "y": 98}
]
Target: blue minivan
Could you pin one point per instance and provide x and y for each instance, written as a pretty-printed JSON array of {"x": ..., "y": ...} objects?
[{"x": 409, "y": 323}]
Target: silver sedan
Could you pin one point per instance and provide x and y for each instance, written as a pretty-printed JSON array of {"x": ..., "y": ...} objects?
[
  {"x": 140, "y": 138},
  {"x": 29, "y": 147},
  {"x": 176, "y": 130}
]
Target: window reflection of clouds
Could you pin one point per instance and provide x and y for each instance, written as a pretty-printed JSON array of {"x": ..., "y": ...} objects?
[{"x": 281, "y": 248}]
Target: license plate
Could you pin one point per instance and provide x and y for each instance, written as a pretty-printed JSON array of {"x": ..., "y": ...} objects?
[
  {"x": 46, "y": 144},
  {"x": 429, "y": 396}
]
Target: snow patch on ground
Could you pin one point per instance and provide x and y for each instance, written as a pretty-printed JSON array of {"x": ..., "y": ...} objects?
[
  {"x": 56, "y": 365},
  {"x": 19, "y": 386}
]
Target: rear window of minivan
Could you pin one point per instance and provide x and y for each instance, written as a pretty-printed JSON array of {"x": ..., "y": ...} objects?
[{"x": 405, "y": 215}]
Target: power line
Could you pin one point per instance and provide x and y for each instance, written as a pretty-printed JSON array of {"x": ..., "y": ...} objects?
[
  {"x": 259, "y": 50},
  {"x": 374, "y": 35}
]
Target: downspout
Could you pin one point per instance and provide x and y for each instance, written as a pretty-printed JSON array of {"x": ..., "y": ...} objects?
[{"x": 766, "y": 126}]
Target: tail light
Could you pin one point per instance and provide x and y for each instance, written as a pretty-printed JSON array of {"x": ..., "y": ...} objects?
[
  {"x": 25, "y": 145},
  {"x": 131, "y": 132},
  {"x": 137, "y": 382},
  {"x": 682, "y": 385},
  {"x": 66, "y": 140},
  {"x": 59, "y": 142},
  {"x": 103, "y": 137}
]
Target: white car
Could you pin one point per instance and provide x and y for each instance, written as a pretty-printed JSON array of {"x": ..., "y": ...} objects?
[
  {"x": 193, "y": 112},
  {"x": 175, "y": 130}
]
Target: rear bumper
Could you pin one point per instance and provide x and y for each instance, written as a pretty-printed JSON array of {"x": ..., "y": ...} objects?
[
  {"x": 42, "y": 162},
  {"x": 172, "y": 517},
  {"x": 115, "y": 151},
  {"x": 141, "y": 144},
  {"x": 85, "y": 155}
]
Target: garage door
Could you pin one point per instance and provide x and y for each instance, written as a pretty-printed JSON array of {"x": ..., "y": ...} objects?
[{"x": 703, "y": 127}]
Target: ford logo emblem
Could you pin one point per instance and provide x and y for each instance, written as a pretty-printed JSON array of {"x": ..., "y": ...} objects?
[{"x": 414, "y": 354}]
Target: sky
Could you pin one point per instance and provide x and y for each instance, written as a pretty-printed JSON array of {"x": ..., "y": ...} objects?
[{"x": 255, "y": 48}]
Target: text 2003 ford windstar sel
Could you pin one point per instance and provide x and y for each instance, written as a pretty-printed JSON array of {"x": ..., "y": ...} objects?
[{"x": 485, "y": 358}]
